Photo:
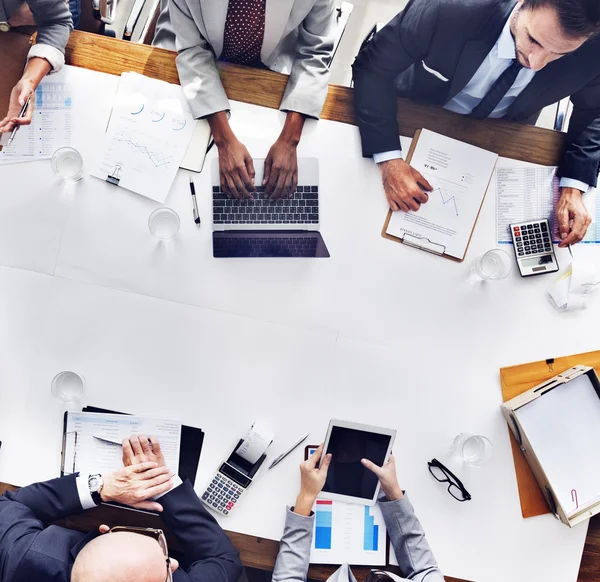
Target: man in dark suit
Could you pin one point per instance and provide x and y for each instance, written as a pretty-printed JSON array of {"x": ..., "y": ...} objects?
[
  {"x": 486, "y": 58},
  {"x": 31, "y": 550}
]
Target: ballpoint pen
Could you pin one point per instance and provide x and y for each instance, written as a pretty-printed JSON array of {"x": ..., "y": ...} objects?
[
  {"x": 570, "y": 251},
  {"x": 107, "y": 441},
  {"x": 16, "y": 127},
  {"x": 195, "y": 204},
  {"x": 284, "y": 455}
]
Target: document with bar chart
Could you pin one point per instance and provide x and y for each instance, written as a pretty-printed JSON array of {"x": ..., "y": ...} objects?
[{"x": 348, "y": 533}]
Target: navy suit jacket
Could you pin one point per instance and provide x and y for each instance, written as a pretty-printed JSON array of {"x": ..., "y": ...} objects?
[
  {"x": 453, "y": 37},
  {"x": 30, "y": 550}
]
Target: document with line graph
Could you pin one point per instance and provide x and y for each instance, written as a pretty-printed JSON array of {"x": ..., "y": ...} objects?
[
  {"x": 147, "y": 136},
  {"x": 459, "y": 174}
]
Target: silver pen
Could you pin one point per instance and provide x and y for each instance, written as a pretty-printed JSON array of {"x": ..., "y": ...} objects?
[
  {"x": 284, "y": 455},
  {"x": 108, "y": 441},
  {"x": 16, "y": 127},
  {"x": 195, "y": 204},
  {"x": 570, "y": 252}
]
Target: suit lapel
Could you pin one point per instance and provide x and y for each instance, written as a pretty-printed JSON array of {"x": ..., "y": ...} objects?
[
  {"x": 477, "y": 49},
  {"x": 214, "y": 14},
  {"x": 277, "y": 14}
]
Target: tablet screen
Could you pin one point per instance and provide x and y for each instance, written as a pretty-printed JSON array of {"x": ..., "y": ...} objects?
[{"x": 346, "y": 475}]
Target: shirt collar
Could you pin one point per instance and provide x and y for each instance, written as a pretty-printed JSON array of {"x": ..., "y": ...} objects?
[{"x": 506, "y": 42}]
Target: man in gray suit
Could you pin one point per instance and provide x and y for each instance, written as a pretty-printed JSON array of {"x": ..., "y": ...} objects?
[
  {"x": 47, "y": 55},
  {"x": 290, "y": 36},
  {"x": 408, "y": 538}
]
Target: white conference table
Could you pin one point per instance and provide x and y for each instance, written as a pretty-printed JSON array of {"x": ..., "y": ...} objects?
[{"x": 379, "y": 333}]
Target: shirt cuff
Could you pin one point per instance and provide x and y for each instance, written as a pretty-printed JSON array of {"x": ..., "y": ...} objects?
[
  {"x": 572, "y": 183},
  {"x": 85, "y": 497},
  {"x": 386, "y": 156},
  {"x": 176, "y": 483},
  {"x": 50, "y": 53}
]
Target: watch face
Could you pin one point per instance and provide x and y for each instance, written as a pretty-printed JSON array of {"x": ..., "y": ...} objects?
[
  {"x": 95, "y": 483},
  {"x": 4, "y": 27}
]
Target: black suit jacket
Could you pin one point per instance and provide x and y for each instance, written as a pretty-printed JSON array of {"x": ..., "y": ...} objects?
[
  {"x": 30, "y": 550},
  {"x": 453, "y": 37}
]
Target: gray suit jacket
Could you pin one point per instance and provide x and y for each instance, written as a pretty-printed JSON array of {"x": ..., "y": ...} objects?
[
  {"x": 54, "y": 27},
  {"x": 297, "y": 40},
  {"x": 408, "y": 540}
]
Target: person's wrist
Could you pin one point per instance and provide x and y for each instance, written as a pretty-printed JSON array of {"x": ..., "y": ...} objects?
[
  {"x": 304, "y": 503},
  {"x": 107, "y": 492},
  {"x": 393, "y": 493},
  {"x": 570, "y": 191}
]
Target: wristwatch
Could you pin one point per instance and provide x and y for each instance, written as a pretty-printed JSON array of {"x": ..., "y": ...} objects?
[
  {"x": 4, "y": 26},
  {"x": 95, "y": 484}
]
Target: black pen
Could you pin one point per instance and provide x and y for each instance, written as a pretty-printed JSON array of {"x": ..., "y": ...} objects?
[{"x": 195, "y": 207}]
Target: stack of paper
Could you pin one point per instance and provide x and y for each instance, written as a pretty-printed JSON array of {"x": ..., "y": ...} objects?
[
  {"x": 50, "y": 127},
  {"x": 148, "y": 134}
]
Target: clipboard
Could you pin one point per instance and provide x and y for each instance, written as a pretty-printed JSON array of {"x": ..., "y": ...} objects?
[
  {"x": 192, "y": 439},
  {"x": 516, "y": 380},
  {"x": 421, "y": 242}
]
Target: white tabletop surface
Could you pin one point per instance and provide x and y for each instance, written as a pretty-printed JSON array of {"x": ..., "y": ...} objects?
[{"x": 379, "y": 333}]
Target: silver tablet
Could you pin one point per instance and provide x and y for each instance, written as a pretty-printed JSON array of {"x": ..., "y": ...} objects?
[{"x": 349, "y": 442}]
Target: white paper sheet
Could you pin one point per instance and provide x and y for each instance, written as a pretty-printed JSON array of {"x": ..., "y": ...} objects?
[
  {"x": 563, "y": 427},
  {"x": 85, "y": 453},
  {"x": 573, "y": 289},
  {"x": 50, "y": 126},
  {"x": 526, "y": 191},
  {"x": 346, "y": 533},
  {"x": 459, "y": 174},
  {"x": 148, "y": 134}
]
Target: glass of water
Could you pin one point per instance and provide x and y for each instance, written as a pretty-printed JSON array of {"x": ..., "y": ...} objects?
[
  {"x": 493, "y": 266},
  {"x": 68, "y": 386},
  {"x": 475, "y": 450},
  {"x": 164, "y": 223},
  {"x": 68, "y": 164}
]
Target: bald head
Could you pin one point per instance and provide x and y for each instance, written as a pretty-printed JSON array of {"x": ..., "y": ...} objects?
[{"x": 120, "y": 557}]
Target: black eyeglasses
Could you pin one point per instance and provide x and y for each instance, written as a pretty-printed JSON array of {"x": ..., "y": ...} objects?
[
  {"x": 157, "y": 534},
  {"x": 444, "y": 475}
]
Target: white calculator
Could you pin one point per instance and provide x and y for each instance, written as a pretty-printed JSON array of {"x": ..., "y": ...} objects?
[
  {"x": 533, "y": 248},
  {"x": 231, "y": 480}
]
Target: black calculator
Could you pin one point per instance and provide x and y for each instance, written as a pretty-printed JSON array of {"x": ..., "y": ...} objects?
[{"x": 533, "y": 247}]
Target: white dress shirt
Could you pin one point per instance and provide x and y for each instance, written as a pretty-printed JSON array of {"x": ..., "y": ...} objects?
[
  {"x": 85, "y": 497},
  {"x": 496, "y": 62}
]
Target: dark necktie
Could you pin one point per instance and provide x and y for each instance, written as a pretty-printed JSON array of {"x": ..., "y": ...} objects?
[{"x": 498, "y": 90}]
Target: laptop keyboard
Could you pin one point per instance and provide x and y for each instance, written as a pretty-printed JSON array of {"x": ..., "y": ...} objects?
[
  {"x": 240, "y": 246},
  {"x": 302, "y": 208}
]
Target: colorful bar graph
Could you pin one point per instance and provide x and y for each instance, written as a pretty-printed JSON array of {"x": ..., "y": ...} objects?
[
  {"x": 323, "y": 524},
  {"x": 371, "y": 536}
]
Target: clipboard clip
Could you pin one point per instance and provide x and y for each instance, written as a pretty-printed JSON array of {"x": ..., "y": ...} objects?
[{"x": 423, "y": 243}]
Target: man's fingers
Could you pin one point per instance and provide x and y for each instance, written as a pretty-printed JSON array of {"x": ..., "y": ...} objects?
[
  {"x": 393, "y": 205},
  {"x": 135, "y": 445},
  {"x": 232, "y": 186},
  {"x": 325, "y": 464},
  {"x": 159, "y": 489},
  {"x": 279, "y": 186},
  {"x": 273, "y": 177},
  {"x": 241, "y": 186},
  {"x": 141, "y": 467},
  {"x": 412, "y": 203},
  {"x": 103, "y": 529},
  {"x": 420, "y": 196},
  {"x": 145, "y": 444},
  {"x": 294, "y": 183},
  {"x": 149, "y": 506},
  {"x": 247, "y": 175},
  {"x": 267, "y": 170},
  {"x": 151, "y": 483},
  {"x": 250, "y": 170},
  {"x": 155, "y": 446},
  {"x": 562, "y": 215},
  {"x": 157, "y": 472},
  {"x": 420, "y": 179},
  {"x": 371, "y": 466},
  {"x": 224, "y": 184},
  {"x": 127, "y": 452},
  {"x": 313, "y": 460}
]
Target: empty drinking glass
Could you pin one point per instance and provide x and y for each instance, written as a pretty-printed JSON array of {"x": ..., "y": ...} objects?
[
  {"x": 68, "y": 164},
  {"x": 494, "y": 265},
  {"x": 68, "y": 386},
  {"x": 164, "y": 223},
  {"x": 475, "y": 450}
]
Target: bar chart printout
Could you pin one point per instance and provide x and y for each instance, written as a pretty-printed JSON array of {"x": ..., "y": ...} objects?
[
  {"x": 347, "y": 533},
  {"x": 323, "y": 525}
]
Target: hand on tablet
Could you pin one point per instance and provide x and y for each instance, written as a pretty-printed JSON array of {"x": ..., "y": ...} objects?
[
  {"x": 312, "y": 481},
  {"x": 387, "y": 477}
]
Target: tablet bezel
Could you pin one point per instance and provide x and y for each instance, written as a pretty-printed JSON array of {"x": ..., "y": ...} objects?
[{"x": 365, "y": 428}]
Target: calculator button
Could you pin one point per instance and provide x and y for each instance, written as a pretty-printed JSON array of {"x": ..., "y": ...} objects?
[
  {"x": 205, "y": 496},
  {"x": 521, "y": 253},
  {"x": 544, "y": 226},
  {"x": 225, "y": 512},
  {"x": 527, "y": 252},
  {"x": 517, "y": 238}
]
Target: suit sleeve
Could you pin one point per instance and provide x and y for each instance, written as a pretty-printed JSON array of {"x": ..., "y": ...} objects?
[
  {"x": 402, "y": 42},
  {"x": 198, "y": 73},
  {"x": 54, "y": 28},
  {"x": 306, "y": 89},
  {"x": 582, "y": 151},
  {"x": 26, "y": 512},
  {"x": 209, "y": 555},
  {"x": 294, "y": 549},
  {"x": 408, "y": 540}
]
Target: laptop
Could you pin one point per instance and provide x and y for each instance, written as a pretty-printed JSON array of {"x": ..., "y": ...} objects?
[{"x": 263, "y": 228}]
